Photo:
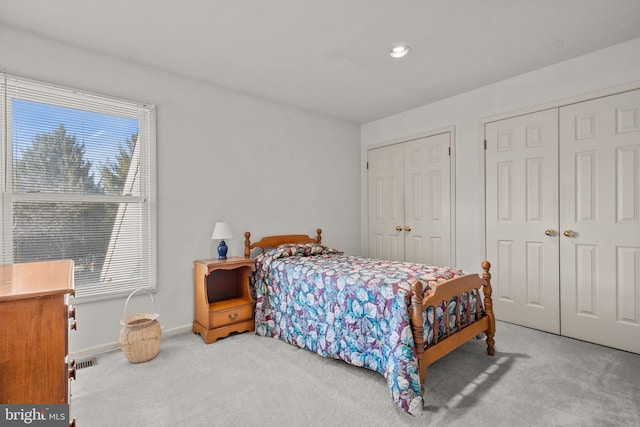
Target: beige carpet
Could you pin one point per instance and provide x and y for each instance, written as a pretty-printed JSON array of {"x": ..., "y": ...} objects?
[{"x": 535, "y": 379}]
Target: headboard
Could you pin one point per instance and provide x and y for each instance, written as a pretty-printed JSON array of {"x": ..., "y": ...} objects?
[{"x": 272, "y": 241}]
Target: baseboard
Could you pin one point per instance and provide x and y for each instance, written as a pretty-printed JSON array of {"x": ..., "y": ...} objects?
[
  {"x": 113, "y": 346},
  {"x": 177, "y": 331}
]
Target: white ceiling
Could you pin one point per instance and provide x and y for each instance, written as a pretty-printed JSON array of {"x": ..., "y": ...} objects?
[{"x": 330, "y": 56}]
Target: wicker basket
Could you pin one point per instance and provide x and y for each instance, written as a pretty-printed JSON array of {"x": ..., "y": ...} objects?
[{"x": 141, "y": 333}]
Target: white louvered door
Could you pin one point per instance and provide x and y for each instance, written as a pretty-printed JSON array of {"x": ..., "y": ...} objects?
[
  {"x": 600, "y": 213},
  {"x": 409, "y": 201},
  {"x": 522, "y": 218}
]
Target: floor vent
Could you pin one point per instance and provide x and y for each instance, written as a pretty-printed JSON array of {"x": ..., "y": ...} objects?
[{"x": 86, "y": 363}]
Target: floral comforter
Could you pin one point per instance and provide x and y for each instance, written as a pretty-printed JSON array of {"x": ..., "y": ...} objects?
[{"x": 350, "y": 308}]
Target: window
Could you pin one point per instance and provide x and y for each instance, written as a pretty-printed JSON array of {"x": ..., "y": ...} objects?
[{"x": 78, "y": 182}]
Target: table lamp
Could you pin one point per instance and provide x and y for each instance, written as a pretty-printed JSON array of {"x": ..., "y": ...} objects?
[{"x": 222, "y": 231}]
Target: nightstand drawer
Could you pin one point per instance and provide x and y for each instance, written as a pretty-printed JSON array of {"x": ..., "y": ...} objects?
[{"x": 231, "y": 314}]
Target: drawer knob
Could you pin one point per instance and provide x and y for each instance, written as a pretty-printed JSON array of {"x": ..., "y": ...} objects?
[{"x": 233, "y": 316}]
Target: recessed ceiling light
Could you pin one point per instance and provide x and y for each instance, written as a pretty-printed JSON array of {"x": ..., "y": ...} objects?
[{"x": 399, "y": 51}]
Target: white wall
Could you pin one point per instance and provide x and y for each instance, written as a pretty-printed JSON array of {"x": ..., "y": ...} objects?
[
  {"x": 615, "y": 66},
  {"x": 261, "y": 166}
]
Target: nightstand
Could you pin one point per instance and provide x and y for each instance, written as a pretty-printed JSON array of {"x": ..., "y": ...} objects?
[{"x": 222, "y": 298}]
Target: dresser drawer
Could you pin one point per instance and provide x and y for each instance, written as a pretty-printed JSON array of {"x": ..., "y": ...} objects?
[{"x": 231, "y": 314}]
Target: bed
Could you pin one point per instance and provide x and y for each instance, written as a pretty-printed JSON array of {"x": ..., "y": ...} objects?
[{"x": 391, "y": 317}]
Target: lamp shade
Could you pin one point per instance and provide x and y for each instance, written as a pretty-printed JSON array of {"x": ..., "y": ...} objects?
[{"x": 221, "y": 231}]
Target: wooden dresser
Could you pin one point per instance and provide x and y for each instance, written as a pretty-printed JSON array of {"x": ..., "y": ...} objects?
[{"x": 34, "y": 325}]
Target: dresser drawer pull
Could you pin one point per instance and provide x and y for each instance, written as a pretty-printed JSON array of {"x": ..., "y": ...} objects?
[
  {"x": 72, "y": 369},
  {"x": 233, "y": 316}
]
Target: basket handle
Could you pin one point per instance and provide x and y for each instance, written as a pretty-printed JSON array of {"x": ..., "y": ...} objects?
[{"x": 131, "y": 294}]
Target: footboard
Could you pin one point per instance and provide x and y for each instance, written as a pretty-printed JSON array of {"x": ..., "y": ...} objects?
[{"x": 459, "y": 287}]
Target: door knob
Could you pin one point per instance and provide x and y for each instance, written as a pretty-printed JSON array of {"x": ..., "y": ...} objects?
[
  {"x": 568, "y": 233},
  {"x": 407, "y": 228},
  {"x": 550, "y": 232},
  {"x": 398, "y": 228}
]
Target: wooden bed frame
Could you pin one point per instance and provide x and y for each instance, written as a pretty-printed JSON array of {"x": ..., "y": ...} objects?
[{"x": 459, "y": 287}]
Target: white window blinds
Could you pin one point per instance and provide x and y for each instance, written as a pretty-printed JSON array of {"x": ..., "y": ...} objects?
[{"x": 78, "y": 183}]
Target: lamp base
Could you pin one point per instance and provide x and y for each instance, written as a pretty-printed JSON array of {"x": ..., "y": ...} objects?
[{"x": 222, "y": 250}]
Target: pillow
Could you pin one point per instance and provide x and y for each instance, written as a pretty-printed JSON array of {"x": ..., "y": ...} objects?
[{"x": 300, "y": 249}]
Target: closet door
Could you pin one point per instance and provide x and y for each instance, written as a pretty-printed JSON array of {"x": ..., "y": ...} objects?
[
  {"x": 522, "y": 218},
  {"x": 409, "y": 201},
  {"x": 600, "y": 220},
  {"x": 427, "y": 223},
  {"x": 385, "y": 183}
]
